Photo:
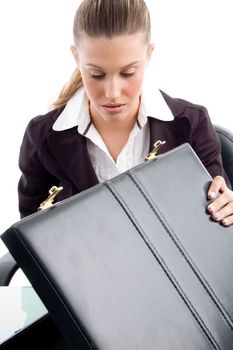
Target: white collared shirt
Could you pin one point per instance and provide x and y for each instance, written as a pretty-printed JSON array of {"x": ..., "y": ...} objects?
[{"x": 76, "y": 113}]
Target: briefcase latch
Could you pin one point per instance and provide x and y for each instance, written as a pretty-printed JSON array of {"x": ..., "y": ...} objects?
[
  {"x": 152, "y": 155},
  {"x": 48, "y": 202}
]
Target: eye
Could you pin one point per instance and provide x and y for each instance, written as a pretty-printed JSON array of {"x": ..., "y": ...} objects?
[
  {"x": 127, "y": 75},
  {"x": 97, "y": 76}
]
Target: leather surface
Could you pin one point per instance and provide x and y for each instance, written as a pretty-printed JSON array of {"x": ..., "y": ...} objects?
[{"x": 134, "y": 263}]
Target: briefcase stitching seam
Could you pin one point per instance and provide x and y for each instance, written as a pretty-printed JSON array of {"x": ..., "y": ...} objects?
[
  {"x": 163, "y": 265},
  {"x": 206, "y": 285}
]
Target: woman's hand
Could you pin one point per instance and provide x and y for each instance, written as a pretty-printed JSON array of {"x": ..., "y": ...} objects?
[{"x": 221, "y": 209}]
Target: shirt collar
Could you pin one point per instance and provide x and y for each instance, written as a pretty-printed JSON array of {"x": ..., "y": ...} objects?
[{"x": 76, "y": 111}]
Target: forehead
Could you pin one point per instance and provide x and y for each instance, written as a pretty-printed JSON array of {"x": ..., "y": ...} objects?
[{"x": 119, "y": 50}]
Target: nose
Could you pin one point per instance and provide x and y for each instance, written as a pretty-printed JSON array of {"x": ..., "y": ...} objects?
[{"x": 113, "y": 89}]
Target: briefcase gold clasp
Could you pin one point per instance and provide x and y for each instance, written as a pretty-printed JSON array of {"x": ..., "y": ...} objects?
[
  {"x": 152, "y": 155},
  {"x": 48, "y": 202}
]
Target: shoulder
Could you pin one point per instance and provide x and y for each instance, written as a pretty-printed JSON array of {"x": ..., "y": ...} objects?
[
  {"x": 183, "y": 108},
  {"x": 40, "y": 127},
  {"x": 44, "y": 122}
]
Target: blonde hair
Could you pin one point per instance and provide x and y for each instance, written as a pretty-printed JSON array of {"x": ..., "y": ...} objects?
[{"x": 108, "y": 18}]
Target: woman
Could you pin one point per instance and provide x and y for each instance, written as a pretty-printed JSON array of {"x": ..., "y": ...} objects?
[{"x": 105, "y": 120}]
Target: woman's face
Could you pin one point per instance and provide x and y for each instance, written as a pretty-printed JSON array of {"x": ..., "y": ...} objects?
[{"x": 112, "y": 72}]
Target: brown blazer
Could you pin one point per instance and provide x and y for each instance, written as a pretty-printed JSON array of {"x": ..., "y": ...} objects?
[{"x": 49, "y": 157}]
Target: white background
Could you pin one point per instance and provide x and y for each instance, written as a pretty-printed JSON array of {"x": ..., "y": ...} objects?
[{"x": 193, "y": 59}]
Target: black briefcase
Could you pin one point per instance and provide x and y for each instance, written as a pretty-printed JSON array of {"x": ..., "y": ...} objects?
[{"x": 135, "y": 262}]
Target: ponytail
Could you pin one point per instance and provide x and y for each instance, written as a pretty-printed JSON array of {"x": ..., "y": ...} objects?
[{"x": 69, "y": 89}]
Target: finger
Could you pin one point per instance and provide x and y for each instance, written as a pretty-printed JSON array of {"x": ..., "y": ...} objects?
[
  {"x": 227, "y": 221},
  {"x": 226, "y": 198},
  {"x": 223, "y": 213},
  {"x": 218, "y": 185}
]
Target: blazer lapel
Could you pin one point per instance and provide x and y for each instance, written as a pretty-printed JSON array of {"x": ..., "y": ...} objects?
[
  {"x": 173, "y": 132},
  {"x": 160, "y": 130},
  {"x": 69, "y": 149}
]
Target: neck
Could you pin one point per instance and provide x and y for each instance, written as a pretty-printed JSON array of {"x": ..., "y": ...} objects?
[
  {"x": 116, "y": 127},
  {"x": 114, "y": 133},
  {"x": 113, "y": 125}
]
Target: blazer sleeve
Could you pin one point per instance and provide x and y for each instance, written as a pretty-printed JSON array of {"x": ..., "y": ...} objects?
[
  {"x": 206, "y": 144},
  {"x": 35, "y": 180}
]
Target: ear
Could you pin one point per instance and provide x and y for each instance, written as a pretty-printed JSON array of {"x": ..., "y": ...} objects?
[
  {"x": 150, "y": 50},
  {"x": 74, "y": 52}
]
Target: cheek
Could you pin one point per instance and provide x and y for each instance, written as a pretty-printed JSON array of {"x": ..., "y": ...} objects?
[
  {"x": 135, "y": 86},
  {"x": 93, "y": 89}
]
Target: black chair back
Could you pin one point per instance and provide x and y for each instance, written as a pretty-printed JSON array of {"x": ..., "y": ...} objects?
[{"x": 226, "y": 138}]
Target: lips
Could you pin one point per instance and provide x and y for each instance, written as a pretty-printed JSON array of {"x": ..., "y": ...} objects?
[
  {"x": 113, "y": 105},
  {"x": 114, "y": 108}
]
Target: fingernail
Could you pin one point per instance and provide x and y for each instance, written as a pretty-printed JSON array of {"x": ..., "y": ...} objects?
[
  {"x": 216, "y": 217},
  {"x": 224, "y": 222},
  {"x": 211, "y": 195},
  {"x": 210, "y": 209}
]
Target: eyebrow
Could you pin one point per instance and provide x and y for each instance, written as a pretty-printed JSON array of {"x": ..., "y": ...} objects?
[{"x": 127, "y": 66}]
